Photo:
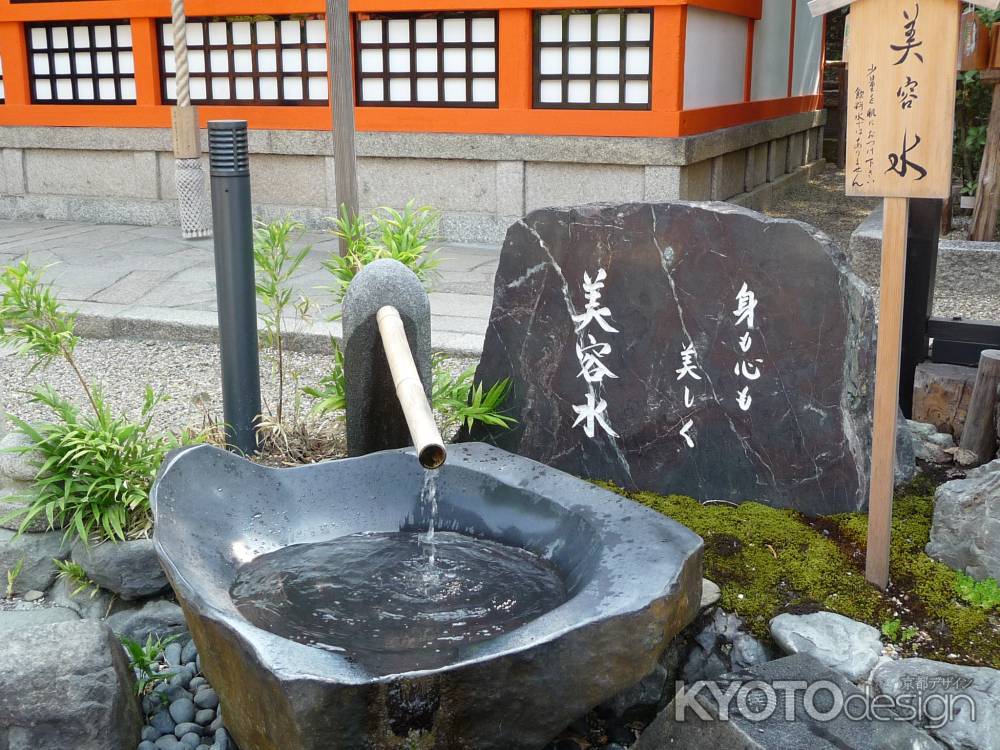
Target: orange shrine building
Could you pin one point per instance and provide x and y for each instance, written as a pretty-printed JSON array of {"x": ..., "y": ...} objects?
[{"x": 485, "y": 109}]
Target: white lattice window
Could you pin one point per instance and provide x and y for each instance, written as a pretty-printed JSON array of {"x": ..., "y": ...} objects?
[
  {"x": 427, "y": 60},
  {"x": 598, "y": 59},
  {"x": 277, "y": 60},
  {"x": 86, "y": 62}
]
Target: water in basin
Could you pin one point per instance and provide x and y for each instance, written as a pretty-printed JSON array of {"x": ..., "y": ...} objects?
[{"x": 396, "y": 601}]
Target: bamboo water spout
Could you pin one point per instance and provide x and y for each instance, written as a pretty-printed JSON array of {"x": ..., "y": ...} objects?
[{"x": 410, "y": 391}]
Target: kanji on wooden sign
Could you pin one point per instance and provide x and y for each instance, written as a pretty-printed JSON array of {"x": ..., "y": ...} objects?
[{"x": 901, "y": 98}]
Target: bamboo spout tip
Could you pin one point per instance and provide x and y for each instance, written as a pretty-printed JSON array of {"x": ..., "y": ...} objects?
[{"x": 432, "y": 456}]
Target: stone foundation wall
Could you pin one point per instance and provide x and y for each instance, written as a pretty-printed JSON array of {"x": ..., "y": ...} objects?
[{"x": 481, "y": 183}]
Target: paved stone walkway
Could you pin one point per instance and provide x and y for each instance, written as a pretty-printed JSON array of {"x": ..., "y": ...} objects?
[{"x": 149, "y": 282}]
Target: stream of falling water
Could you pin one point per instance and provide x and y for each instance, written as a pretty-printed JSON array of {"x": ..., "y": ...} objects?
[{"x": 429, "y": 499}]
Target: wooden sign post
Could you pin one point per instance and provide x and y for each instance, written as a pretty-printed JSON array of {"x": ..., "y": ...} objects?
[{"x": 900, "y": 117}]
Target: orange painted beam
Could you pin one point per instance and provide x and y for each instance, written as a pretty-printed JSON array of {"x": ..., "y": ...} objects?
[
  {"x": 99, "y": 9},
  {"x": 694, "y": 121}
]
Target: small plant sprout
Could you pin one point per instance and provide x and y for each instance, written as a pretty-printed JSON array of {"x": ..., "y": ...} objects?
[
  {"x": 459, "y": 398},
  {"x": 12, "y": 576},
  {"x": 277, "y": 260},
  {"x": 146, "y": 661},
  {"x": 329, "y": 393},
  {"x": 75, "y": 575},
  {"x": 984, "y": 594},
  {"x": 35, "y": 324}
]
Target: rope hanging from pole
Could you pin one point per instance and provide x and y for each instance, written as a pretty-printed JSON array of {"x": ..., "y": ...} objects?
[{"x": 192, "y": 197}]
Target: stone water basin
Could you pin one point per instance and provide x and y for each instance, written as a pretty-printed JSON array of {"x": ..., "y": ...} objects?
[{"x": 628, "y": 580}]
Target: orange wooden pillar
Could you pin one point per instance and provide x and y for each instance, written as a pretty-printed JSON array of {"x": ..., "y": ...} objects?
[
  {"x": 14, "y": 56},
  {"x": 514, "y": 73},
  {"x": 667, "y": 67},
  {"x": 147, "y": 65}
]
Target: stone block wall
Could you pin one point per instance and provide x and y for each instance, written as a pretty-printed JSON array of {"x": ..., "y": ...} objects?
[{"x": 480, "y": 183}]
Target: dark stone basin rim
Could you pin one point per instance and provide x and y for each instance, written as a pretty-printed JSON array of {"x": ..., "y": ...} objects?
[{"x": 624, "y": 580}]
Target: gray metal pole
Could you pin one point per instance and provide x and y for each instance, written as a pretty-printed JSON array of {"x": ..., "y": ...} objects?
[{"x": 232, "y": 220}]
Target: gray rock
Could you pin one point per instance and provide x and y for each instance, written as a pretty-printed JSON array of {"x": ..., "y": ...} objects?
[
  {"x": 965, "y": 533},
  {"x": 150, "y": 733},
  {"x": 720, "y": 645},
  {"x": 905, "y": 468},
  {"x": 197, "y": 682},
  {"x": 14, "y": 497},
  {"x": 188, "y": 727},
  {"x": 88, "y": 603},
  {"x": 129, "y": 569},
  {"x": 204, "y": 717},
  {"x": 929, "y": 444},
  {"x": 33, "y": 595},
  {"x": 21, "y": 467},
  {"x": 206, "y": 698},
  {"x": 20, "y": 619},
  {"x": 146, "y": 745},
  {"x": 673, "y": 275},
  {"x": 704, "y": 723},
  {"x": 222, "y": 741},
  {"x": 182, "y": 711},
  {"x": 162, "y": 721},
  {"x": 710, "y": 594},
  {"x": 189, "y": 652},
  {"x": 374, "y": 418},
  {"x": 169, "y": 742},
  {"x": 974, "y": 723},
  {"x": 850, "y": 647},
  {"x": 159, "y": 617},
  {"x": 67, "y": 681},
  {"x": 38, "y": 552},
  {"x": 191, "y": 740},
  {"x": 172, "y": 654}
]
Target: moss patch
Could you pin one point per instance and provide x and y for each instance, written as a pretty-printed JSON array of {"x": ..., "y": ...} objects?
[{"x": 768, "y": 561}]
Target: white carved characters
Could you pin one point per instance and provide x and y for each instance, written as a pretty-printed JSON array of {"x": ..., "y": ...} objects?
[{"x": 590, "y": 352}]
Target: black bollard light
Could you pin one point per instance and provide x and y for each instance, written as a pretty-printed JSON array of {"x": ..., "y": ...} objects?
[{"x": 232, "y": 220}]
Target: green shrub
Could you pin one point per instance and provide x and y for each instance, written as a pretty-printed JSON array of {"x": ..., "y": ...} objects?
[
  {"x": 276, "y": 262},
  {"x": 404, "y": 235},
  {"x": 95, "y": 470},
  {"x": 457, "y": 398},
  {"x": 76, "y": 576}
]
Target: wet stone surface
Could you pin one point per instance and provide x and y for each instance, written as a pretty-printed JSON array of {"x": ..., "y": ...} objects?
[{"x": 396, "y": 601}]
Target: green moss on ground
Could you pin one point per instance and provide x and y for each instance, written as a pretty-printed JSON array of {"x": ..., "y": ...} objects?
[{"x": 768, "y": 561}]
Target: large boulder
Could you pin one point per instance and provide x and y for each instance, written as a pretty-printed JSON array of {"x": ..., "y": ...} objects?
[
  {"x": 965, "y": 533},
  {"x": 67, "y": 685},
  {"x": 850, "y": 647},
  {"x": 968, "y": 697},
  {"x": 696, "y": 348},
  {"x": 130, "y": 569},
  {"x": 35, "y": 553}
]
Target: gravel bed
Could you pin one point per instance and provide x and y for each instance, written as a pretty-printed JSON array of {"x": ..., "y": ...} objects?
[
  {"x": 187, "y": 372},
  {"x": 822, "y": 203},
  {"x": 183, "y": 711}
]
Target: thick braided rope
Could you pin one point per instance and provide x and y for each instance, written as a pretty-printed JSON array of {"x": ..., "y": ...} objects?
[
  {"x": 195, "y": 221},
  {"x": 179, "y": 24}
]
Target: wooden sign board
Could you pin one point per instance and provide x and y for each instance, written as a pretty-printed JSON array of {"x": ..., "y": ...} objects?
[{"x": 901, "y": 98}]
